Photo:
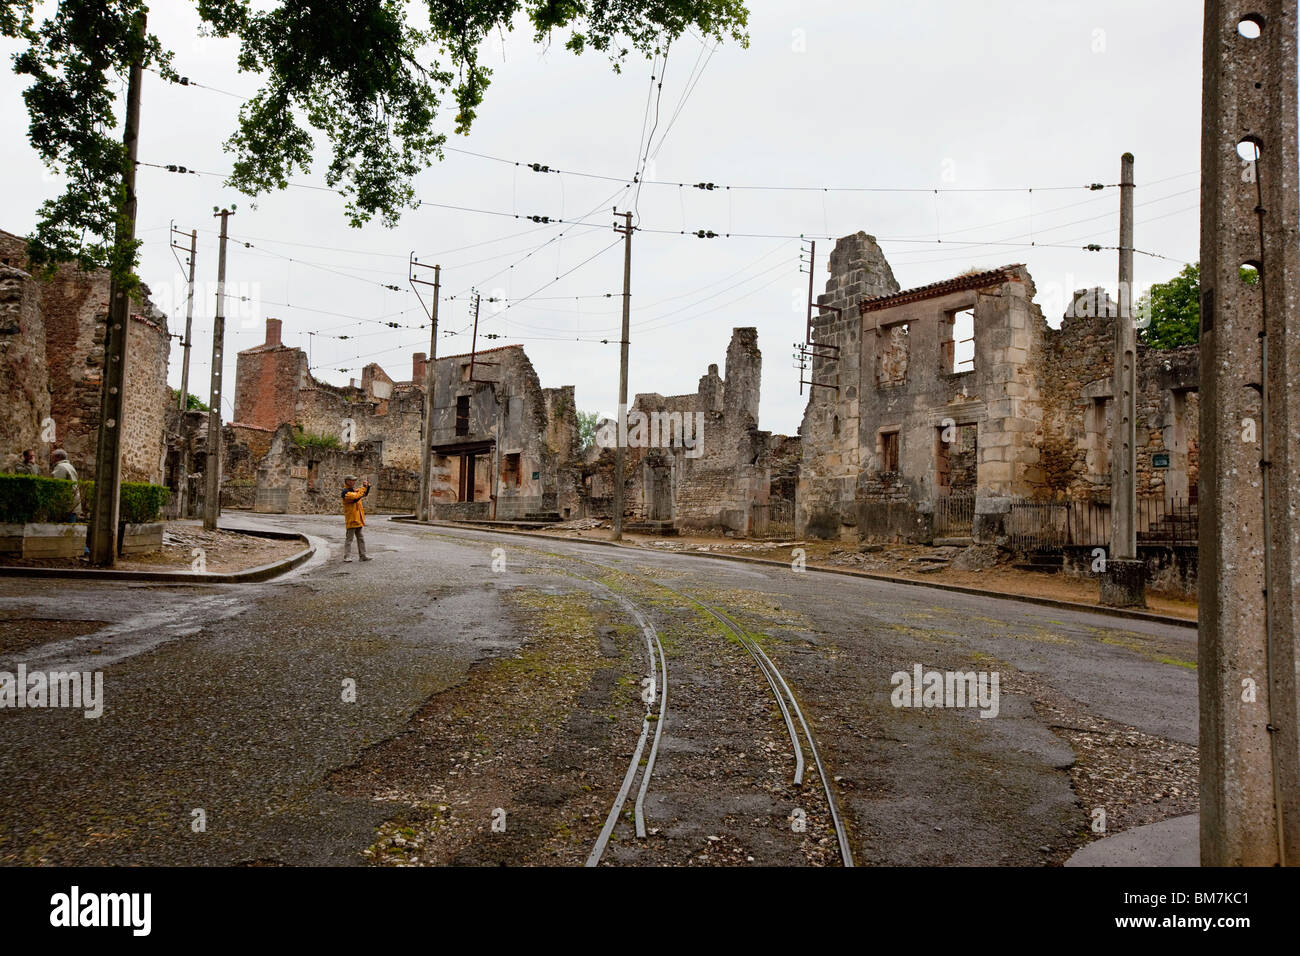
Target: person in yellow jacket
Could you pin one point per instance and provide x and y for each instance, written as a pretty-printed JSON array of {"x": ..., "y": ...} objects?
[{"x": 354, "y": 516}]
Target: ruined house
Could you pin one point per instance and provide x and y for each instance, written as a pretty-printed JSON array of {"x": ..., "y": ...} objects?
[
  {"x": 699, "y": 461},
  {"x": 51, "y": 365},
  {"x": 499, "y": 439},
  {"x": 942, "y": 409},
  {"x": 503, "y": 446}
]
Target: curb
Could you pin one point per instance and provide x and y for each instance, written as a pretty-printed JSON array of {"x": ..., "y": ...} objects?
[
  {"x": 251, "y": 576},
  {"x": 1146, "y": 616}
]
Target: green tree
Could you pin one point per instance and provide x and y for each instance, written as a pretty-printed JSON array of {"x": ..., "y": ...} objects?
[
  {"x": 357, "y": 72},
  {"x": 587, "y": 429},
  {"x": 1174, "y": 308},
  {"x": 192, "y": 401}
]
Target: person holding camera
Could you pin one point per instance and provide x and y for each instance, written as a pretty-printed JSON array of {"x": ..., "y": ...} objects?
[{"x": 354, "y": 516}]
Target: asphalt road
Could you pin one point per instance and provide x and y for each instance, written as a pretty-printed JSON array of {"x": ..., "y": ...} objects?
[{"x": 225, "y": 703}]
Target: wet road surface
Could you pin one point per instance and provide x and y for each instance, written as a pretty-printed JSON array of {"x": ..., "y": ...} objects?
[{"x": 294, "y": 718}]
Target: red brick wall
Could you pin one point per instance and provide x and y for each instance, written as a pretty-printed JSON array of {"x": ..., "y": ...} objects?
[{"x": 266, "y": 385}]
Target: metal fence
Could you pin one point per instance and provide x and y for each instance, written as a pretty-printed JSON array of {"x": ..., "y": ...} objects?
[
  {"x": 772, "y": 520},
  {"x": 954, "y": 516},
  {"x": 1050, "y": 525}
]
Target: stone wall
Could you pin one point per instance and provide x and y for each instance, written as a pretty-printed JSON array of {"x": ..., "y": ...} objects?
[
  {"x": 699, "y": 461},
  {"x": 896, "y": 425},
  {"x": 22, "y": 370},
  {"x": 1078, "y": 363},
  {"x": 73, "y": 305},
  {"x": 268, "y": 378},
  {"x": 296, "y": 480}
]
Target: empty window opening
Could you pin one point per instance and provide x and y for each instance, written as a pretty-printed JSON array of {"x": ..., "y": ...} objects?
[
  {"x": 956, "y": 457},
  {"x": 511, "y": 474},
  {"x": 835, "y": 427},
  {"x": 464, "y": 372},
  {"x": 462, "y": 415},
  {"x": 957, "y": 341},
  {"x": 888, "y": 450},
  {"x": 313, "y": 476},
  {"x": 892, "y": 355}
]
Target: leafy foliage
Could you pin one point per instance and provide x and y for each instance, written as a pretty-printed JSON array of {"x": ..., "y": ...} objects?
[
  {"x": 313, "y": 440},
  {"x": 192, "y": 402},
  {"x": 587, "y": 429},
  {"x": 1174, "y": 308},
  {"x": 354, "y": 70},
  {"x": 25, "y": 498},
  {"x": 137, "y": 502},
  {"x": 71, "y": 59},
  {"x": 140, "y": 502}
]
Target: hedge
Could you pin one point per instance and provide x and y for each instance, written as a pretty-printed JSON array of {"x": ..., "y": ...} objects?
[
  {"x": 29, "y": 498},
  {"x": 137, "y": 502},
  {"x": 25, "y": 498}
]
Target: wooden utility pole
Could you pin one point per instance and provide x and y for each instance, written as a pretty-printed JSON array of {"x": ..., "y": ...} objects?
[
  {"x": 108, "y": 453},
  {"x": 1249, "y": 485},
  {"x": 430, "y": 382},
  {"x": 620, "y": 449},
  {"x": 189, "y": 323},
  {"x": 1124, "y": 582},
  {"x": 212, "y": 493}
]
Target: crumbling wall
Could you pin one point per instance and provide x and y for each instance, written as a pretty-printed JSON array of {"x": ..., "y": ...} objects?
[
  {"x": 1077, "y": 370},
  {"x": 73, "y": 306},
  {"x": 296, "y": 480},
  {"x": 268, "y": 378},
  {"x": 698, "y": 461},
  {"x": 22, "y": 370},
  {"x": 832, "y": 455}
]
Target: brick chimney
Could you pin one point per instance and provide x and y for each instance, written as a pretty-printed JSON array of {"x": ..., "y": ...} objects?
[
  {"x": 419, "y": 367},
  {"x": 273, "y": 332}
]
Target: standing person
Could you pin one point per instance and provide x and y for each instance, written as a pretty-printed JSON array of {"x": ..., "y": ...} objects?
[
  {"x": 354, "y": 516},
  {"x": 63, "y": 469},
  {"x": 28, "y": 465}
]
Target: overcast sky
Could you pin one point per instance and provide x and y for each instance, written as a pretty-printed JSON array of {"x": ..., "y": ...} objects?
[{"x": 932, "y": 94}]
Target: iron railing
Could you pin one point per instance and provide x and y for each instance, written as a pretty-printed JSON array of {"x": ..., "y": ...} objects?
[
  {"x": 954, "y": 516},
  {"x": 1051, "y": 525}
]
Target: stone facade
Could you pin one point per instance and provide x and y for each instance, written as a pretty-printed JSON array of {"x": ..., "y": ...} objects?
[
  {"x": 900, "y": 434},
  {"x": 301, "y": 480},
  {"x": 61, "y": 330},
  {"x": 699, "y": 461},
  {"x": 503, "y": 446}
]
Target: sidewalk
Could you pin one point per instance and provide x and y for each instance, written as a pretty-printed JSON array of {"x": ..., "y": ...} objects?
[{"x": 1172, "y": 842}]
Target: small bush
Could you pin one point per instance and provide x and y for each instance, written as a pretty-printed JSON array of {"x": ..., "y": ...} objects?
[
  {"x": 137, "y": 502},
  {"x": 29, "y": 498},
  {"x": 312, "y": 440}
]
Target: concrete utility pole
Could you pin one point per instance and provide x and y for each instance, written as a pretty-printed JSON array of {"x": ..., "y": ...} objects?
[
  {"x": 1124, "y": 582},
  {"x": 212, "y": 493},
  {"x": 620, "y": 450},
  {"x": 430, "y": 380},
  {"x": 189, "y": 322},
  {"x": 1249, "y": 488},
  {"x": 108, "y": 453}
]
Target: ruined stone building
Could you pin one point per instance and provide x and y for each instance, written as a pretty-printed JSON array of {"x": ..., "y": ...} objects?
[
  {"x": 499, "y": 438},
  {"x": 699, "y": 461},
  {"x": 503, "y": 446},
  {"x": 51, "y": 364},
  {"x": 903, "y": 437}
]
